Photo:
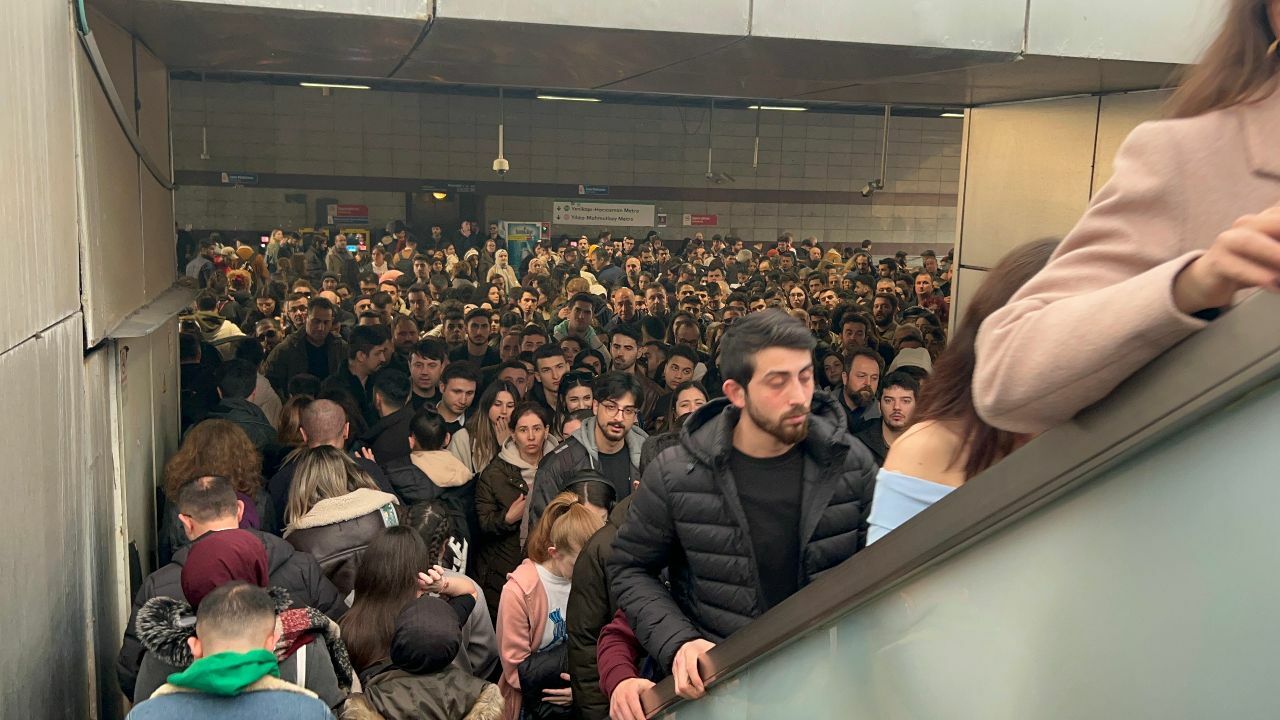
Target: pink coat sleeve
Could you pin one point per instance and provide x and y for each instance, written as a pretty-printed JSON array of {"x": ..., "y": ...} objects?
[
  {"x": 515, "y": 636},
  {"x": 617, "y": 654},
  {"x": 1103, "y": 306}
]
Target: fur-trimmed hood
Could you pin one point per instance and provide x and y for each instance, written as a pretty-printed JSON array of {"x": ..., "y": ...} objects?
[
  {"x": 331, "y": 511},
  {"x": 164, "y": 625}
]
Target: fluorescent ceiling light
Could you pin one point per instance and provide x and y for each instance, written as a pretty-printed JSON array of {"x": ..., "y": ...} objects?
[
  {"x": 777, "y": 107},
  {"x": 334, "y": 85},
  {"x": 955, "y": 115},
  {"x": 567, "y": 98}
]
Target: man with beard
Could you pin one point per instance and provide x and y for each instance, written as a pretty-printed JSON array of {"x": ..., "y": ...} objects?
[
  {"x": 368, "y": 351},
  {"x": 898, "y": 395},
  {"x": 655, "y": 302},
  {"x": 624, "y": 346},
  {"x": 478, "y": 326},
  {"x": 765, "y": 491},
  {"x": 862, "y": 369},
  {"x": 610, "y": 443},
  {"x": 884, "y": 311},
  {"x": 404, "y": 336}
]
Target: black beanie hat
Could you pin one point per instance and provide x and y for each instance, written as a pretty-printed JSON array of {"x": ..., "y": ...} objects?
[{"x": 428, "y": 633}]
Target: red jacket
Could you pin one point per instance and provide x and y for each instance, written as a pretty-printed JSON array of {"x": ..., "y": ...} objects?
[{"x": 618, "y": 654}]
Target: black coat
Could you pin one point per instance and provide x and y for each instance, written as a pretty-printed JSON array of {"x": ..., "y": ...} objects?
[
  {"x": 248, "y": 416},
  {"x": 591, "y": 606},
  {"x": 297, "y": 572},
  {"x": 289, "y": 358},
  {"x": 388, "y": 437},
  {"x": 686, "y": 516},
  {"x": 498, "y": 541},
  {"x": 869, "y": 433},
  {"x": 412, "y": 486}
]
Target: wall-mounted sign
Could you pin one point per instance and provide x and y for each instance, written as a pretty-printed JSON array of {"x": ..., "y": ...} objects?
[
  {"x": 695, "y": 220},
  {"x": 609, "y": 214},
  {"x": 233, "y": 178},
  {"x": 662, "y": 220},
  {"x": 348, "y": 215},
  {"x": 593, "y": 189}
]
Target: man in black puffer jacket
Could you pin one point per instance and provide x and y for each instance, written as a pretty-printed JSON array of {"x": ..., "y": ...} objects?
[
  {"x": 765, "y": 492},
  {"x": 206, "y": 505}
]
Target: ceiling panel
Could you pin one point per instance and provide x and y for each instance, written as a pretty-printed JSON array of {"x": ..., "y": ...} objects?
[
  {"x": 776, "y": 68},
  {"x": 1028, "y": 78},
  {"x": 988, "y": 25},
  {"x": 713, "y": 17},
  {"x": 554, "y": 56},
  {"x": 221, "y": 38},
  {"x": 218, "y": 37}
]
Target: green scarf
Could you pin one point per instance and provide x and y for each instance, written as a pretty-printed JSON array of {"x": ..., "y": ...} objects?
[{"x": 227, "y": 673}]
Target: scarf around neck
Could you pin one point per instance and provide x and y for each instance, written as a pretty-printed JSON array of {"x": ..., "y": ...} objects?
[{"x": 227, "y": 674}]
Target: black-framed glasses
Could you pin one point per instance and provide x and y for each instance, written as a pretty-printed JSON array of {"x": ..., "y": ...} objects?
[{"x": 613, "y": 408}]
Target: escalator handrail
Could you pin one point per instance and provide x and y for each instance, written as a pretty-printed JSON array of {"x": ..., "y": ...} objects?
[{"x": 1235, "y": 354}]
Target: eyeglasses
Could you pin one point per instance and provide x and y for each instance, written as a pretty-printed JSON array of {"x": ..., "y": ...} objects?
[{"x": 612, "y": 408}]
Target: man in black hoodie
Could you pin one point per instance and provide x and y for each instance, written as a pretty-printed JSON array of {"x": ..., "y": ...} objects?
[
  {"x": 766, "y": 491},
  {"x": 236, "y": 382}
]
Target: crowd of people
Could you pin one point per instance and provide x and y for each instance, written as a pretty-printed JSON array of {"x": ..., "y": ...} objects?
[
  {"x": 427, "y": 479},
  {"x": 472, "y": 488}
]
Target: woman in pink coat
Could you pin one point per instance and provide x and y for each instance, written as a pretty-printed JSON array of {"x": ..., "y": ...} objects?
[
  {"x": 1188, "y": 224},
  {"x": 531, "y": 613}
]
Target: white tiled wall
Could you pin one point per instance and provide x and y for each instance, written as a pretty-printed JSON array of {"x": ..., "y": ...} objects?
[{"x": 265, "y": 128}]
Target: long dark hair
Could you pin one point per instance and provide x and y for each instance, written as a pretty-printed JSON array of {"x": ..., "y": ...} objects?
[
  {"x": 948, "y": 393},
  {"x": 484, "y": 441},
  {"x": 1235, "y": 68},
  {"x": 386, "y": 581},
  {"x": 572, "y": 379}
]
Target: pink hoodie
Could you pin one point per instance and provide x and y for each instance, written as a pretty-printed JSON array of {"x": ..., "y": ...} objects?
[{"x": 522, "y": 618}]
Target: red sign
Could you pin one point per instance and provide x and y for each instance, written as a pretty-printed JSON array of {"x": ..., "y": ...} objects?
[
  {"x": 348, "y": 215},
  {"x": 691, "y": 220}
]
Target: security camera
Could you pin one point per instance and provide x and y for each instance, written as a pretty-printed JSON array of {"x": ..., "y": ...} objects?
[
  {"x": 501, "y": 166},
  {"x": 871, "y": 187}
]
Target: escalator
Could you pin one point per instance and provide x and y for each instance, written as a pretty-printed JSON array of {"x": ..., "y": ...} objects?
[{"x": 1120, "y": 566}]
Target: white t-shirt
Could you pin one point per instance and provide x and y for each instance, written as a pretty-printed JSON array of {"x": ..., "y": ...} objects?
[{"x": 557, "y": 589}]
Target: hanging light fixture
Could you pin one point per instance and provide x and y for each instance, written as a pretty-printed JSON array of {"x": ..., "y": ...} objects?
[{"x": 439, "y": 195}]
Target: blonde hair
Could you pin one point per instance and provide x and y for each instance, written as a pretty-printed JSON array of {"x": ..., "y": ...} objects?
[
  {"x": 566, "y": 525},
  {"x": 322, "y": 473}
]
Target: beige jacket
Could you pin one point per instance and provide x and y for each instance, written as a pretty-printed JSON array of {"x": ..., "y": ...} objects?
[{"x": 1103, "y": 307}]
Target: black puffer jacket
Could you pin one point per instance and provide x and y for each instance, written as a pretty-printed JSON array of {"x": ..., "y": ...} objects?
[
  {"x": 686, "y": 516},
  {"x": 296, "y": 572}
]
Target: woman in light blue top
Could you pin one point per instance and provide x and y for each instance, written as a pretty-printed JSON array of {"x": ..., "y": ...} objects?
[{"x": 948, "y": 444}]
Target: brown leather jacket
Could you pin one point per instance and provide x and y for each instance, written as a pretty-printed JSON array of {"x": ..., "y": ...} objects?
[{"x": 337, "y": 531}]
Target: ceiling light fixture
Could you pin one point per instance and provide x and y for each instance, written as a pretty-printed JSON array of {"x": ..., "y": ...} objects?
[
  {"x": 952, "y": 115},
  {"x": 339, "y": 86},
  {"x": 439, "y": 195},
  {"x": 568, "y": 99},
  {"x": 777, "y": 107}
]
